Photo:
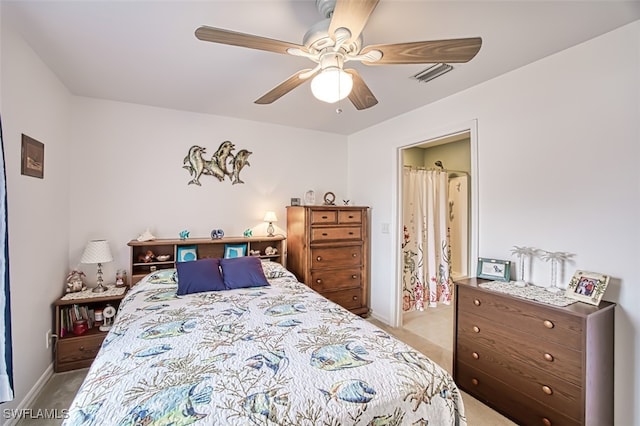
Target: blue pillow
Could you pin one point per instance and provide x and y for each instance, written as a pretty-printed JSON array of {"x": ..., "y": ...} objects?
[
  {"x": 198, "y": 276},
  {"x": 242, "y": 272}
]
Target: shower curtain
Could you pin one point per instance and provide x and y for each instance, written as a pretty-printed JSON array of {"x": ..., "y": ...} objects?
[{"x": 425, "y": 245}]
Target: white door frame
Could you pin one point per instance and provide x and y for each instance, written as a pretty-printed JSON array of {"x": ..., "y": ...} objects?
[{"x": 433, "y": 137}]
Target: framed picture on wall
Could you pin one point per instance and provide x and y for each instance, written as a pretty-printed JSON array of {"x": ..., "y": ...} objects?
[
  {"x": 186, "y": 253},
  {"x": 494, "y": 269},
  {"x": 588, "y": 287},
  {"x": 32, "y": 157},
  {"x": 235, "y": 250}
]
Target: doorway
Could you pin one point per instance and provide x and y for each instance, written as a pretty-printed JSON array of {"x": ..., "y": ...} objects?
[{"x": 456, "y": 153}]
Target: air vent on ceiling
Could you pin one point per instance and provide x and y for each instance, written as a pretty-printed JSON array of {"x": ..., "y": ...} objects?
[{"x": 432, "y": 72}]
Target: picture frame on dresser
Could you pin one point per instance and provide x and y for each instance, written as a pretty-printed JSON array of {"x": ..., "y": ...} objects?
[
  {"x": 494, "y": 269},
  {"x": 587, "y": 287},
  {"x": 186, "y": 253}
]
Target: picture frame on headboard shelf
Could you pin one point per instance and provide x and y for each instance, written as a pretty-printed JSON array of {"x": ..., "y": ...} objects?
[
  {"x": 494, "y": 269},
  {"x": 235, "y": 250},
  {"x": 186, "y": 253},
  {"x": 587, "y": 287}
]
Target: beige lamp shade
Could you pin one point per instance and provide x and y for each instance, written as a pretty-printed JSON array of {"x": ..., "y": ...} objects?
[
  {"x": 270, "y": 217},
  {"x": 97, "y": 251}
]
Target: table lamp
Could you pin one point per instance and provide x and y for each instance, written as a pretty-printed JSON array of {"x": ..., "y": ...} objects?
[
  {"x": 97, "y": 251},
  {"x": 270, "y": 217}
]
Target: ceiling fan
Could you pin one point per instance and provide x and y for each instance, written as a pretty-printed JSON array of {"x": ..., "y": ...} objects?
[{"x": 336, "y": 40}]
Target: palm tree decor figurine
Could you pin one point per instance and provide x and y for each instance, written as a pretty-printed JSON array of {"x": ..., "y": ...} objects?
[
  {"x": 557, "y": 259},
  {"x": 522, "y": 253}
]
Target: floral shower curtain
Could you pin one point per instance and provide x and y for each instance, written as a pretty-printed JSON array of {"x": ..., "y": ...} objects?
[{"x": 425, "y": 245}]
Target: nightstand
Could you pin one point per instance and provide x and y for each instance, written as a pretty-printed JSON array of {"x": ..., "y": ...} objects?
[{"x": 78, "y": 351}]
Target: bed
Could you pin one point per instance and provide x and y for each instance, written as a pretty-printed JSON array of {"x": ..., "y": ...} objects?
[{"x": 274, "y": 353}]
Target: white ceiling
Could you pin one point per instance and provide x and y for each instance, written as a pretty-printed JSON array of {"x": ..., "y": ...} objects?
[{"x": 145, "y": 52}]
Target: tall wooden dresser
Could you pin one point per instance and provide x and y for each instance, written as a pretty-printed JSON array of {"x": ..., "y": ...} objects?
[
  {"x": 537, "y": 364},
  {"x": 328, "y": 249}
]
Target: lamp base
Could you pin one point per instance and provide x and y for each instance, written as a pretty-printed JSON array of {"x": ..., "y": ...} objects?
[{"x": 99, "y": 289}]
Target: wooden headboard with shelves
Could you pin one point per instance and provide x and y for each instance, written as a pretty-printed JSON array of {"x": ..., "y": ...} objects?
[{"x": 141, "y": 264}]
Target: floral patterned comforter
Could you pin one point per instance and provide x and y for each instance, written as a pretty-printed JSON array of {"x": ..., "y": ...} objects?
[{"x": 277, "y": 355}]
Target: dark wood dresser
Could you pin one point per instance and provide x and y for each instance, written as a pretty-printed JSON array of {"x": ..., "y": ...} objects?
[
  {"x": 328, "y": 249},
  {"x": 537, "y": 364}
]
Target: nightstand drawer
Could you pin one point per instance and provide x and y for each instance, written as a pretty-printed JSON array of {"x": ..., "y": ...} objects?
[
  {"x": 327, "y": 280},
  {"x": 342, "y": 233},
  {"x": 78, "y": 349}
]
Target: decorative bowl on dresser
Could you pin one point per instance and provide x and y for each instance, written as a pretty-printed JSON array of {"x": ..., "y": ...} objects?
[
  {"x": 328, "y": 249},
  {"x": 536, "y": 363}
]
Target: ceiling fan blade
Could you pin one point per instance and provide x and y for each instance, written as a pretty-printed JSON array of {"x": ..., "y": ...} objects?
[
  {"x": 218, "y": 35},
  {"x": 426, "y": 52},
  {"x": 361, "y": 96},
  {"x": 353, "y": 15},
  {"x": 286, "y": 86}
]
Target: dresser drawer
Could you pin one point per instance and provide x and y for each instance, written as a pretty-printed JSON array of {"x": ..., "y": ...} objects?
[
  {"x": 553, "y": 358},
  {"x": 537, "y": 384},
  {"x": 336, "y": 257},
  {"x": 326, "y": 280},
  {"x": 330, "y": 233},
  {"x": 544, "y": 322},
  {"x": 78, "y": 349},
  {"x": 324, "y": 217},
  {"x": 510, "y": 401},
  {"x": 350, "y": 216},
  {"x": 349, "y": 299}
]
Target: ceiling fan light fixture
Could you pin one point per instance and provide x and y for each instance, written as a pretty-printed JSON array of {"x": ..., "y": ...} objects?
[{"x": 331, "y": 85}]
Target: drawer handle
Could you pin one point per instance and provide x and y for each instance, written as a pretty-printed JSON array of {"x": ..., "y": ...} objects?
[
  {"x": 547, "y": 390},
  {"x": 318, "y": 281},
  {"x": 476, "y": 329},
  {"x": 354, "y": 255},
  {"x": 354, "y": 276},
  {"x": 475, "y": 355},
  {"x": 350, "y": 217},
  {"x": 324, "y": 234},
  {"x": 325, "y": 217},
  {"x": 350, "y": 233},
  {"x": 355, "y": 297},
  {"x": 548, "y": 324},
  {"x": 81, "y": 348},
  {"x": 546, "y": 421},
  {"x": 475, "y": 382},
  {"x": 476, "y": 302},
  {"x": 548, "y": 357},
  {"x": 319, "y": 258}
]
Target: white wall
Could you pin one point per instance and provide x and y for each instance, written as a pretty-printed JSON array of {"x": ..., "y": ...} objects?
[
  {"x": 35, "y": 103},
  {"x": 127, "y": 175},
  {"x": 114, "y": 169},
  {"x": 558, "y": 147}
]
